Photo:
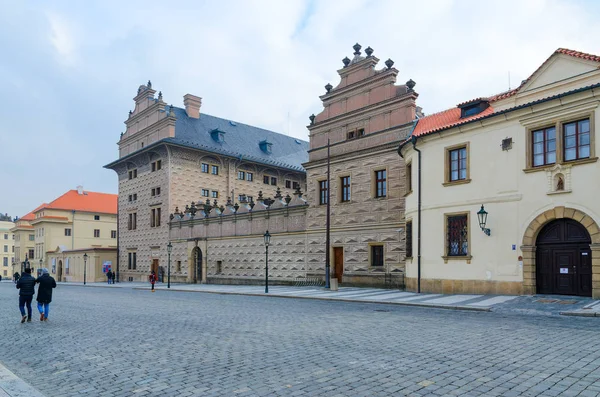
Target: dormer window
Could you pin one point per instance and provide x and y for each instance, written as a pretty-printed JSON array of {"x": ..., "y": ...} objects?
[
  {"x": 265, "y": 146},
  {"x": 217, "y": 135},
  {"x": 472, "y": 108}
]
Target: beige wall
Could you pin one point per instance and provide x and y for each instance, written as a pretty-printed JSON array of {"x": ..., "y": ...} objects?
[
  {"x": 23, "y": 243},
  {"x": 69, "y": 265},
  {"x": 513, "y": 194},
  {"x": 7, "y": 249}
]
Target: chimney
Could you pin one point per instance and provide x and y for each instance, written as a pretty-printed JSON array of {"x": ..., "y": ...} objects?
[
  {"x": 79, "y": 189},
  {"x": 192, "y": 105}
]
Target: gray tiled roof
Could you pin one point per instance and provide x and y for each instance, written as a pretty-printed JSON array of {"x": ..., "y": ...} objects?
[{"x": 240, "y": 140}]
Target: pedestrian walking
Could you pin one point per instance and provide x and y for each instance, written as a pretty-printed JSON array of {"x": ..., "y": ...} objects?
[
  {"x": 44, "y": 294},
  {"x": 152, "y": 278},
  {"x": 16, "y": 276},
  {"x": 114, "y": 276},
  {"x": 26, "y": 287},
  {"x": 109, "y": 276}
]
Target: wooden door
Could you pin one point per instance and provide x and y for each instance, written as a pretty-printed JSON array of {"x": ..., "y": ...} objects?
[
  {"x": 565, "y": 280},
  {"x": 338, "y": 260},
  {"x": 155, "y": 266}
]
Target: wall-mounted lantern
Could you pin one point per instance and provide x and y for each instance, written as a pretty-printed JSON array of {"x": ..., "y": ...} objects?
[{"x": 482, "y": 215}]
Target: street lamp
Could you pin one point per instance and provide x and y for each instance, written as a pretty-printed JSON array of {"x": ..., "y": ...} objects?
[
  {"x": 85, "y": 256},
  {"x": 41, "y": 265},
  {"x": 267, "y": 237},
  {"x": 169, "y": 249},
  {"x": 482, "y": 215}
]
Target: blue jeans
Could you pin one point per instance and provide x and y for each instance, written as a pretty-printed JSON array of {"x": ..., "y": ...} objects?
[
  {"x": 44, "y": 308},
  {"x": 25, "y": 300}
]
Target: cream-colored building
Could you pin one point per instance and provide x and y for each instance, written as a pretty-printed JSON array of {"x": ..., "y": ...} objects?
[
  {"x": 82, "y": 265},
  {"x": 170, "y": 157},
  {"x": 7, "y": 246},
  {"x": 77, "y": 220},
  {"x": 526, "y": 161}
]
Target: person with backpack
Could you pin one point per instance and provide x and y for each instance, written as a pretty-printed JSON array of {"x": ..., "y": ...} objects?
[
  {"x": 152, "y": 279},
  {"x": 26, "y": 287},
  {"x": 44, "y": 295}
]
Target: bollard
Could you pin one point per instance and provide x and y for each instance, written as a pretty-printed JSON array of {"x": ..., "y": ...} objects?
[{"x": 333, "y": 284}]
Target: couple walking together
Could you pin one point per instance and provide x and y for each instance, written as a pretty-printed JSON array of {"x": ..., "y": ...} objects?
[{"x": 26, "y": 287}]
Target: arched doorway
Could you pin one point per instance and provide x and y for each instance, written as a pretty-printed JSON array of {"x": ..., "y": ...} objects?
[
  {"x": 564, "y": 259},
  {"x": 197, "y": 261},
  {"x": 59, "y": 271}
]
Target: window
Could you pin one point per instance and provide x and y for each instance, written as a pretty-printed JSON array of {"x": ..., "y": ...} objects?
[
  {"x": 288, "y": 184},
  {"x": 132, "y": 260},
  {"x": 96, "y": 217},
  {"x": 351, "y": 134},
  {"x": 242, "y": 198},
  {"x": 249, "y": 176},
  {"x": 361, "y": 132},
  {"x": 322, "y": 192},
  {"x": 157, "y": 165},
  {"x": 214, "y": 170},
  {"x": 134, "y": 196},
  {"x": 377, "y": 255},
  {"x": 219, "y": 266},
  {"x": 458, "y": 164},
  {"x": 205, "y": 168},
  {"x": 113, "y": 234},
  {"x": 67, "y": 232},
  {"x": 132, "y": 221},
  {"x": 6, "y": 236},
  {"x": 241, "y": 175},
  {"x": 155, "y": 191},
  {"x": 457, "y": 235},
  {"x": 345, "y": 182},
  {"x": 544, "y": 146},
  {"x": 155, "y": 217},
  {"x": 205, "y": 192},
  {"x": 133, "y": 174},
  {"x": 96, "y": 232},
  {"x": 295, "y": 185},
  {"x": 5, "y": 261},
  {"x": 31, "y": 254},
  {"x": 250, "y": 198},
  {"x": 409, "y": 239},
  {"x": 130, "y": 198},
  {"x": 273, "y": 181},
  {"x": 178, "y": 267},
  {"x": 214, "y": 194},
  {"x": 408, "y": 177},
  {"x": 266, "y": 180},
  {"x": 6, "y": 248},
  {"x": 576, "y": 137},
  {"x": 380, "y": 183}
]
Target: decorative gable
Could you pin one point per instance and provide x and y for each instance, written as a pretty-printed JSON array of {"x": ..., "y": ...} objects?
[{"x": 558, "y": 68}]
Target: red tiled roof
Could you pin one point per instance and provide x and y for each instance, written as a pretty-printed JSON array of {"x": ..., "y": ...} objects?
[
  {"x": 30, "y": 216},
  {"x": 87, "y": 202},
  {"x": 451, "y": 117}
]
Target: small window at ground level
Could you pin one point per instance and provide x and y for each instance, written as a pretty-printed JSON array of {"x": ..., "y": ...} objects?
[{"x": 377, "y": 255}]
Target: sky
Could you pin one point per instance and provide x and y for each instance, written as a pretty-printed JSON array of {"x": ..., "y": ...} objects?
[{"x": 69, "y": 69}]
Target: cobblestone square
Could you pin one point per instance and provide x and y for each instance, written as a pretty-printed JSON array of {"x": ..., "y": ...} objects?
[{"x": 124, "y": 342}]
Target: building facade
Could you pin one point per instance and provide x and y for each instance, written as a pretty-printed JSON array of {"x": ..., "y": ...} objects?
[
  {"x": 82, "y": 265},
  {"x": 364, "y": 119},
  {"x": 76, "y": 220},
  {"x": 7, "y": 246},
  {"x": 507, "y": 201},
  {"x": 170, "y": 157}
]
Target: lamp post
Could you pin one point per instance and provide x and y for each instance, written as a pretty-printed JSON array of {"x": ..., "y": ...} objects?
[
  {"x": 41, "y": 265},
  {"x": 169, "y": 249},
  {"x": 267, "y": 237},
  {"x": 85, "y": 256},
  {"x": 482, "y": 215}
]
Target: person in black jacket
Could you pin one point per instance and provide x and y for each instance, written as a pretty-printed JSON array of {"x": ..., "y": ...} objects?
[
  {"x": 26, "y": 287},
  {"x": 44, "y": 295}
]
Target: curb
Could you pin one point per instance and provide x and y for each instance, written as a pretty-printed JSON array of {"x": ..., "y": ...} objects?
[
  {"x": 13, "y": 386},
  {"x": 433, "y": 306},
  {"x": 580, "y": 314}
]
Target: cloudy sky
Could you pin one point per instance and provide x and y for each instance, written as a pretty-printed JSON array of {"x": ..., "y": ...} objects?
[{"x": 69, "y": 69}]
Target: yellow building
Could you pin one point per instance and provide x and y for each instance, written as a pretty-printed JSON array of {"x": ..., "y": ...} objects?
[
  {"x": 77, "y": 220},
  {"x": 502, "y": 191},
  {"x": 7, "y": 248}
]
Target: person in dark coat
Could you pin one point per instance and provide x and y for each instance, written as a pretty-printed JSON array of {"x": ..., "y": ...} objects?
[
  {"x": 109, "y": 276},
  {"x": 114, "y": 276},
  {"x": 26, "y": 287},
  {"x": 152, "y": 278},
  {"x": 44, "y": 295}
]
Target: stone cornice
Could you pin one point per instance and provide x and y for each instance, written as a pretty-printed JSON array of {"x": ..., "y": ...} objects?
[{"x": 360, "y": 111}]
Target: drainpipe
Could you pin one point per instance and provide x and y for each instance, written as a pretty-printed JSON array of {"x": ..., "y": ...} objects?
[{"x": 414, "y": 143}]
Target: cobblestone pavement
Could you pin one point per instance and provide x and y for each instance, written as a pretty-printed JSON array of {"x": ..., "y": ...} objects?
[{"x": 126, "y": 342}]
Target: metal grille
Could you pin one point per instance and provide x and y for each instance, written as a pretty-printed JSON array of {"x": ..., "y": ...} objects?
[{"x": 458, "y": 244}]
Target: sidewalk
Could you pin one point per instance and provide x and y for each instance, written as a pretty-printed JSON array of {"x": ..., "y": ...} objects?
[
  {"x": 532, "y": 305},
  {"x": 12, "y": 386}
]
